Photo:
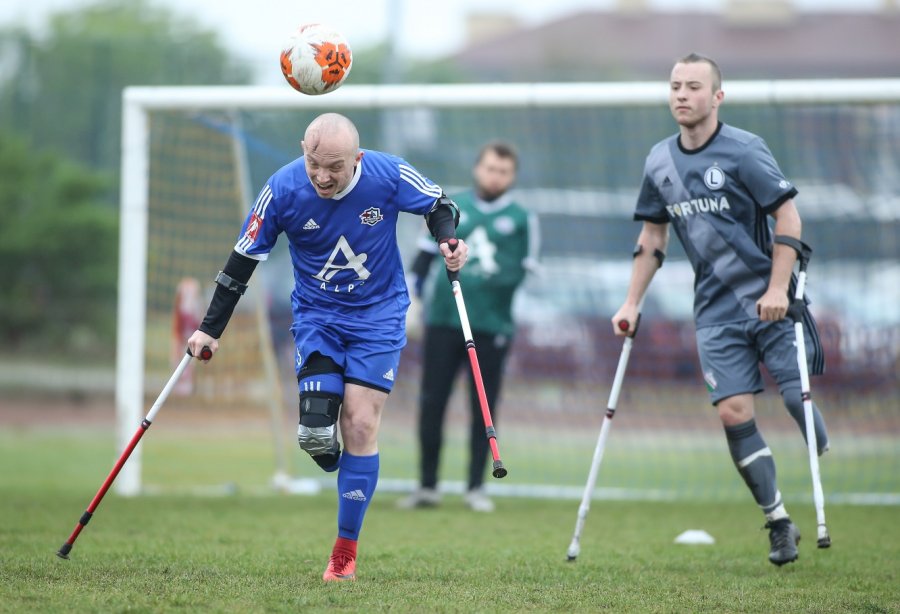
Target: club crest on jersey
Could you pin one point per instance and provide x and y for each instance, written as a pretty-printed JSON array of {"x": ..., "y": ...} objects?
[
  {"x": 371, "y": 216},
  {"x": 504, "y": 225},
  {"x": 253, "y": 227},
  {"x": 714, "y": 178}
]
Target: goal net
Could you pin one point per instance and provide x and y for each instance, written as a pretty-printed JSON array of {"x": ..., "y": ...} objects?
[{"x": 194, "y": 158}]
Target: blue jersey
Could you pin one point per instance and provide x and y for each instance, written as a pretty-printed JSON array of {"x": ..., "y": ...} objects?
[
  {"x": 718, "y": 199},
  {"x": 344, "y": 249}
]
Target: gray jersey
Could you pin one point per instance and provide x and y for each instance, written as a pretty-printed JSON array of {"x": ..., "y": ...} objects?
[{"x": 718, "y": 198}]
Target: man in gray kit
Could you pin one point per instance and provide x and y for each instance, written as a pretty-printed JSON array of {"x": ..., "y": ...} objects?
[{"x": 717, "y": 185}]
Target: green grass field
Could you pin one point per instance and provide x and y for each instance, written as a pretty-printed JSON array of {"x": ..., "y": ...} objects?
[{"x": 266, "y": 552}]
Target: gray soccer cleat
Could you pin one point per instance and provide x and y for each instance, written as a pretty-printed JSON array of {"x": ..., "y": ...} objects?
[{"x": 783, "y": 538}]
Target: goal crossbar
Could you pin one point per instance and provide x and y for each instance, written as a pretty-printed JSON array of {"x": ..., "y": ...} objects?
[{"x": 139, "y": 102}]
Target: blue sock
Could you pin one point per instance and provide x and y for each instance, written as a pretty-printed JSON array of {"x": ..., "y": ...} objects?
[{"x": 356, "y": 482}]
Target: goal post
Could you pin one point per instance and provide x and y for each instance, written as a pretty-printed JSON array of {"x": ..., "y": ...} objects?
[{"x": 192, "y": 157}]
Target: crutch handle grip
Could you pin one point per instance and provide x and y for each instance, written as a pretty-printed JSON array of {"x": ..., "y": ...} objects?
[
  {"x": 452, "y": 275},
  {"x": 623, "y": 326},
  {"x": 205, "y": 353}
]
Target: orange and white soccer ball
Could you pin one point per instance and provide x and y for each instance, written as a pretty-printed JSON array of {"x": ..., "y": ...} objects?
[{"x": 316, "y": 59}]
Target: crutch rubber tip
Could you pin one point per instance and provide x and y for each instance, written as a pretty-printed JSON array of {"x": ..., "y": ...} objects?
[
  {"x": 499, "y": 470},
  {"x": 63, "y": 552},
  {"x": 824, "y": 542}
]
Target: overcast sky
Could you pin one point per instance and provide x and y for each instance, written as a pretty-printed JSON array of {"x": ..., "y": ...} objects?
[{"x": 256, "y": 29}]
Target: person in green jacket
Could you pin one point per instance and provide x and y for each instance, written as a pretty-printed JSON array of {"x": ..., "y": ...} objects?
[{"x": 503, "y": 241}]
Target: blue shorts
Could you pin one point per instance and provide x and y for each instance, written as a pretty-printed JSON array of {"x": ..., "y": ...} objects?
[
  {"x": 730, "y": 355},
  {"x": 367, "y": 350}
]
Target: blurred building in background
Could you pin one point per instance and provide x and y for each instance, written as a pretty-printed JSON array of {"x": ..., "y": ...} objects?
[
  {"x": 751, "y": 39},
  {"x": 849, "y": 195}
]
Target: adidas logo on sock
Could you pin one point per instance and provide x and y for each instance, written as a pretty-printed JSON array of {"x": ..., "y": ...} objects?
[
  {"x": 355, "y": 495},
  {"x": 310, "y": 225},
  {"x": 389, "y": 376}
]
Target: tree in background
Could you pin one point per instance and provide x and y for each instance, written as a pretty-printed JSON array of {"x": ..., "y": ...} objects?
[
  {"x": 58, "y": 248},
  {"x": 60, "y": 125},
  {"x": 63, "y": 91}
]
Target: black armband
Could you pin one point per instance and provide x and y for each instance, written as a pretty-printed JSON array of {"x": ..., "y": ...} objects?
[
  {"x": 443, "y": 219},
  {"x": 231, "y": 283},
  {"x": 659, "y": 255}
]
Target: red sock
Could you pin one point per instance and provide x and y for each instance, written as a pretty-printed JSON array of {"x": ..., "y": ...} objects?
[{"x": 347, "y": 546}]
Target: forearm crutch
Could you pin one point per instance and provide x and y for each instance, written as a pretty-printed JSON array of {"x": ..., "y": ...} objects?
[
  {"x": 499, "y": 470},
  {"x": 795, "y": 312},
  {"x": 64, "y": 550},
  {"x": 575, "y": 545}
]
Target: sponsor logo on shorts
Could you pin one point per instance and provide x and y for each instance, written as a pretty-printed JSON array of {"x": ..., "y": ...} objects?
[
  {"x": 710, "y": 380},
  {"x": 389, "y": 376}
]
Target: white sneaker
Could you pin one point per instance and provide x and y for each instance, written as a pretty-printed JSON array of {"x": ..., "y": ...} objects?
[
  {"x": 423, "y": 497},
  {"x": 478, "y": 501}
]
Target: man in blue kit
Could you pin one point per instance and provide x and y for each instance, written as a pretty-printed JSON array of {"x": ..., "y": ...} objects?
[
  {"x": 717, "y": 185},
  {"x": 338, "y": 207}
]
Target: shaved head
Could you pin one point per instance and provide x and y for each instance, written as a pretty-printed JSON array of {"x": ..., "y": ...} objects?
[
  {"x": 331, "y": 129},
  {"x": 331, "y": 152}
]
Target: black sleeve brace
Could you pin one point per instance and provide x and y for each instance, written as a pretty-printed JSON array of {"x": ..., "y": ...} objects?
[
  {"x": 443, "y": 219},
  {"x": 231, "y": 283},
  {"x": 660, "y": 256}
]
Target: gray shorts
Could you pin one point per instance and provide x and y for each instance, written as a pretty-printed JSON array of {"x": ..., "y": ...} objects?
[{"x": 730, "y": 355}]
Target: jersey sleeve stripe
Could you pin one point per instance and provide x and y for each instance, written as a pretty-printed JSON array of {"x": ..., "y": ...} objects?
[
  {"x": 243, "y": 245},
  {"x": 654, "y": 219},
  {"x": 534, "y": 243},
  {"x": 769, "y": 210},
  {"x": 415, "y": 179},
  {"x": 258, "y": 213},
  {"x": 265, "y": 197},
  {"x": 259, "y": 257}
]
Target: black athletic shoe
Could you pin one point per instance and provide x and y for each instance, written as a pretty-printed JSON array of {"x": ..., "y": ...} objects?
[{"x": 783, "y": 537}]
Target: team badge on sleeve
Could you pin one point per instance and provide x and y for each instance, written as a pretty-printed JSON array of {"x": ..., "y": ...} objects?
[{"x": 253, "y": 228}]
